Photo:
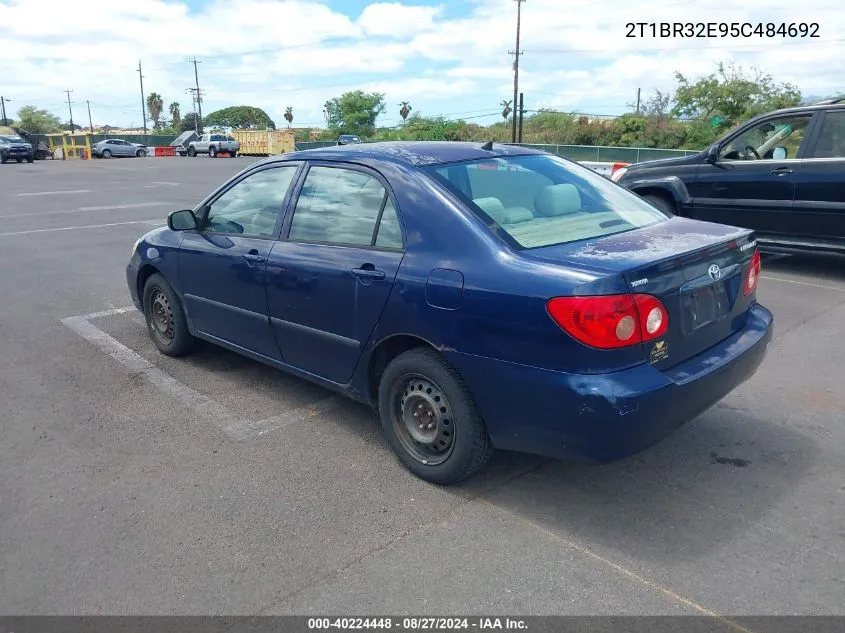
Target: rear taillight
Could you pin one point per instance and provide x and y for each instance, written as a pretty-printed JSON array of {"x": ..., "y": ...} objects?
[
  {"x": 752, "y": 277},
  {"x": 610, "y": 321}
]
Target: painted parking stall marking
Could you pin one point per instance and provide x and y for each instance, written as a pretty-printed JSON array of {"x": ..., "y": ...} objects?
[{"x": 228, "y": 422}]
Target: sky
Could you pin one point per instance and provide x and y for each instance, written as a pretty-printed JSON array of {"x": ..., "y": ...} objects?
[{"x": 447, "y": 58}]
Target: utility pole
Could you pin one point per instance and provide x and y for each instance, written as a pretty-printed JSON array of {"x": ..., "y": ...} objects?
[
  {"x": 90, "y": 123},
  {"x": 194, "y": 92},
  {"x": 521, "y": 113},
  {"x": 638, "y": 100},
  {"x": 70, "y": 110},
  {"x": 197, "y": 79},
  {"x": 516, "y": 53},
  {"x": 3, "y": 101},
  {"x": 143, "y": 106}
]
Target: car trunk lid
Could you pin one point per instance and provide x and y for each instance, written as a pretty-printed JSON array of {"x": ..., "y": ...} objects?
[{"x": 696, "y": 269}]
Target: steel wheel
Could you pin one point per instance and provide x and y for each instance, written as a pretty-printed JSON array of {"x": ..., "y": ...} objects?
[
  {"x": 161, "y": 317},
  {"x": 422, "y": 419}
]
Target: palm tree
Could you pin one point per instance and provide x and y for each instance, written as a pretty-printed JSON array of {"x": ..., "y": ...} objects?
[
  {"x": 155, "y": 105},
  {"x": 506, "y": 109},
  {"x": 175, "y": 114},
  {"x": 289, "y": 115},
  {"x": 404, "y": 110}
]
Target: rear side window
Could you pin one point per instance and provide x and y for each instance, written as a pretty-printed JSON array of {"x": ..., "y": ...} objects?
[
  {"x": 831, "y": 139},
  {"x": 540, "y": 200},
  {"x": 345, "y": 206}
]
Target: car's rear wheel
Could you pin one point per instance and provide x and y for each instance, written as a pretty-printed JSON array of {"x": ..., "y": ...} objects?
[
  {"x": 107, "y": 154},
  {"x": 233, "y": 154},
  {"x": 662, "y": 203},
  {"x": 165, "y": 318},
  {"x": 430, "y": 418},
  {"x": 212, "y": 151}
]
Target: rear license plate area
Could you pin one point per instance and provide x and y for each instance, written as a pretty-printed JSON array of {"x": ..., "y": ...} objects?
[{"x": 704, "y": 305}]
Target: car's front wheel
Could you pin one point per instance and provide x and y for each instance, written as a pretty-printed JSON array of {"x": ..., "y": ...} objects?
[
  {"x": 165, "y": 318},
  {"x": 662, "y": 203},
  {"x": 140, "y": 153},
  {"x": 30, "y": 159},
  {"x": 192, "y": 152},
  {"x": 430, "y": 418}
]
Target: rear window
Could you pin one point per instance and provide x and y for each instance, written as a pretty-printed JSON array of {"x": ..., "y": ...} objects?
[{"x": 541, "y": 200}]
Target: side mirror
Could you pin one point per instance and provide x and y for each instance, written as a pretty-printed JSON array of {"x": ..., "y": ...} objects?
[
  {"x": 183, "y": 220},
  {"x": 779, "y": 153},
  {"x": 713, "y": 153}
]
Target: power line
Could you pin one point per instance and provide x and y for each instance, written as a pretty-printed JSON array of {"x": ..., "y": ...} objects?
[{"x": 616, "y": 52}]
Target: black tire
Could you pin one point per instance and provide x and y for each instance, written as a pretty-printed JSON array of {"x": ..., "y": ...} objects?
[
  {"x": 192, "y": 152},
  {"x": 662, "y": 203},
  {"x": 212, "y": 152},
  {"x": 19, "y": 160},
  {"x": 140, "y": 153},
  {"x": 421, "y": 382},
  {"x": 30, "y": 159},
  {"x": 3, "y": 160},
  {"x": 41, "y": 155},
  {"x": 233, "y": 154},
  {"x": 165, "y": 318},
  {"x": 106, "y": 153}
]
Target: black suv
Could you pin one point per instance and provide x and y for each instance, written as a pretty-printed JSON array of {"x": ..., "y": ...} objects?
[
  {"x": 15, "y": 148},
  {"x": 781, "y": 174}
]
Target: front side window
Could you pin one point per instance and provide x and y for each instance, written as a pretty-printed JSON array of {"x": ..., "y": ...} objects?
[
  {"x": 831, "y": 139},
  {"x": 253, "y": 205},
  {"x": 344, "y": 206},
  {"x": 774, "y": 139},
  {"x": 541, "y": 200}
]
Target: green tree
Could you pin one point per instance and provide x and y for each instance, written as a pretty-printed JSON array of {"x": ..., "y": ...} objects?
[
  {"x": 404, "y": 110},
  {"x": 241, "y": 116},
  {"x": 36, "y": 121},
  {"x": 289, "y": 115},
  {"x": 187, "y": 124},
  {"x": 354, "y": 112},
  {"x": 175, "y": 114},
  {"x": 732, "y": 95},
  {"x": 155, "y": 106}
]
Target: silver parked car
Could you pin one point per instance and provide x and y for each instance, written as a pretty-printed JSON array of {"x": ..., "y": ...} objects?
[
  {"x": 118, "y": 147},
  {"x": 213, "y": 144}
]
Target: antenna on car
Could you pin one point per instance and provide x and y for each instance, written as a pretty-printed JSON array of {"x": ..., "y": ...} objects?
[{"x": 488, "y": 146}]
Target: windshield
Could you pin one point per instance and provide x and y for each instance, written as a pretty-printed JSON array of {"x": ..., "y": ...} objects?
[
  {"x": 540, "y": 200},
  {"x": 11, "y": 139}
]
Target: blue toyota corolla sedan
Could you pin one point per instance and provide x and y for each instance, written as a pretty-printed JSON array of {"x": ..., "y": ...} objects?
[{"x": 477, "y": 296}]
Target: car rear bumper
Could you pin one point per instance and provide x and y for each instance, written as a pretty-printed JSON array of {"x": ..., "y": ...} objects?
[{"x": 604, "y": 417}]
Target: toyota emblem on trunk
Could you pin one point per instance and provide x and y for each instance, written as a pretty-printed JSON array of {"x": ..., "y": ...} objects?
[{"x": 715, "y": 272}]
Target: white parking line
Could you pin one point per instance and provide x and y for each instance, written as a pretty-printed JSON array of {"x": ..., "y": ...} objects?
[
  {"x": 54, "y": 193},
  {"x": 74, "y": 228},
  {"x": 220, "y": 416},
  {"x": 114, "y": 207},
  {"x": 802, "y": 283}
]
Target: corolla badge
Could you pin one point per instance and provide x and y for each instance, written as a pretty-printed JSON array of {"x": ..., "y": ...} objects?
[{"x": 715, "y": 272}]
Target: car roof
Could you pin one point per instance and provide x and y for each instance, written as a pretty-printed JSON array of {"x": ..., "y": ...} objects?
[
  {"x": 414, "y": 153},
  {"x": 837, "y": 103}
]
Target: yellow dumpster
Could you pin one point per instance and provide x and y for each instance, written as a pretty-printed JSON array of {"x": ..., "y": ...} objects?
[{"x": 264, "y": 142}]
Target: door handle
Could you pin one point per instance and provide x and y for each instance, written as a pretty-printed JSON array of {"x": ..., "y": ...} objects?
[
  {"x": 779, "y": 171},
  {"x": 368, "y": 272},
  {"x": 253, "y": 258}
]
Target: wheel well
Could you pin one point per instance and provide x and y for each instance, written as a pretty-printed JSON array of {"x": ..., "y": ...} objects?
[
  {"x": 660, "y": 193},
  {"x": 147, "y": 270},
  {"x": 385, "y": 352}
]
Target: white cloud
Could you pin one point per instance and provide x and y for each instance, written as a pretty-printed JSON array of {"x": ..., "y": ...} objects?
[{"x": 576, "y": 55}]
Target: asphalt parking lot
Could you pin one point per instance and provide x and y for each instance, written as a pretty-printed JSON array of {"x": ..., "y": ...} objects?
[{"x": 138, "y": 484}]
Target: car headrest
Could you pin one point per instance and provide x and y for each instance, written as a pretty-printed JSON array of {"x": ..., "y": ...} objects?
[
  {"x": 496, "y": 210},
  {"x": 561, "y": 199},
  {"x": 491, "y": 206}
]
